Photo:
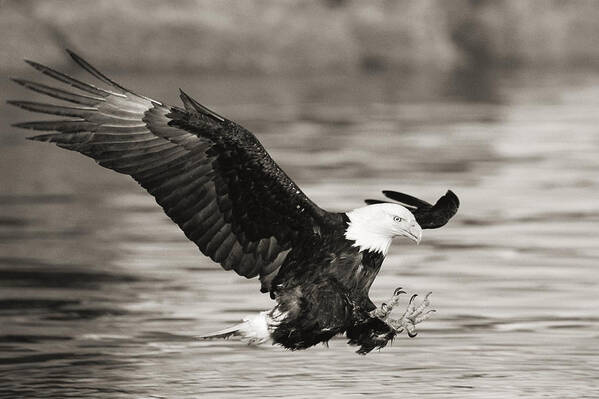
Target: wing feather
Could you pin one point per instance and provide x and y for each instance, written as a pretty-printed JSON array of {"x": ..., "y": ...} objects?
[
  {"x": 59, "y": 93},
  {"x": 64, "y": 126},
  {"x": 407, "y": 199},
  {"x": 211, "y": 176},
  {"x": 61, "y": 77},
  {"x": 428, "y": 216},
  {"x": 75, "y": 112},
  {"x": 188, "y": 160}
]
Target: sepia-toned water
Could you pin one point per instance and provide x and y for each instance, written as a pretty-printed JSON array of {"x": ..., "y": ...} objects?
[{"x": 101, "y": 295}]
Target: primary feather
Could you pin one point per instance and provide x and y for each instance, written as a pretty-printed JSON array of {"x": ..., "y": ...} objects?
[{"x": 211, "y": 176}]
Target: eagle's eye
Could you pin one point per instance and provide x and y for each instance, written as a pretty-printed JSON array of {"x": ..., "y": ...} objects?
[{"x": 397, "y": 219}]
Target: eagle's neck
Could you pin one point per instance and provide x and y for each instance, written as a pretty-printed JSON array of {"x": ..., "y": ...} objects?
[{"x": 366, "y": 236}]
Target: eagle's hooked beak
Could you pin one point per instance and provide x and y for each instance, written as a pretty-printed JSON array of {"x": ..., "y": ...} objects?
[{"x": 414, "y": 232}]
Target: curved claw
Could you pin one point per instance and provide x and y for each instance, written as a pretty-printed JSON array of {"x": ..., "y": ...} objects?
[
  {"x": 412, "y": 335},
  {"x": 412, "y": 298},
  {"x": 398, "y": 291}
]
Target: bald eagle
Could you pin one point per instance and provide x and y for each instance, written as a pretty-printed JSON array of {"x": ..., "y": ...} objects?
[{"x": 214, "y": 179}]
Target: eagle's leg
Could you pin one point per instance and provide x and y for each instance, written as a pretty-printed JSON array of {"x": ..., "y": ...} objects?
[
  {"x": 412, "y": 316},
  {"x": 385, "y": 309}
]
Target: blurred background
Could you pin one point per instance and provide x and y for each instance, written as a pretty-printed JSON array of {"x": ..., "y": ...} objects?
[
  {"x": 101, "y": 295},
  {"x": 270, "y": 36}
]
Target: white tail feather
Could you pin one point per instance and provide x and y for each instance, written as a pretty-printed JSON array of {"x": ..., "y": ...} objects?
[
  {"x": 254, "y": 330},
  {"x": 224, "y": 334}
]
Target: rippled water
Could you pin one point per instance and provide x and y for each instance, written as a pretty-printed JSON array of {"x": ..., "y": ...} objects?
[{"x": 101, "y": 295}]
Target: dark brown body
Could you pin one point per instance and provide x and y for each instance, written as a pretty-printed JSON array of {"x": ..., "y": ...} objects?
[{"x": 327, "y": 294}]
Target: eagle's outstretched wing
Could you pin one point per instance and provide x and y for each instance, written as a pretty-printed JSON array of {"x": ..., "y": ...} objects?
[
  {"x": 211, "y": 176},
  {"x": 427, "y": 215}
]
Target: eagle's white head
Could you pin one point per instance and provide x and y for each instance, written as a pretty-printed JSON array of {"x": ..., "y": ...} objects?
[{"x": 373, "y": 227}]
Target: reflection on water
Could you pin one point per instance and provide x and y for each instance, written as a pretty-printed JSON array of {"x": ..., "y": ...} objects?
[{"x": 100, "y": 294}]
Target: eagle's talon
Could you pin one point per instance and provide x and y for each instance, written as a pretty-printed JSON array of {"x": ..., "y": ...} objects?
[
  {"x": 425, "y": 303},
  {"x": 413, "y": 315},
  {"x": 383, "y": 311}
]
